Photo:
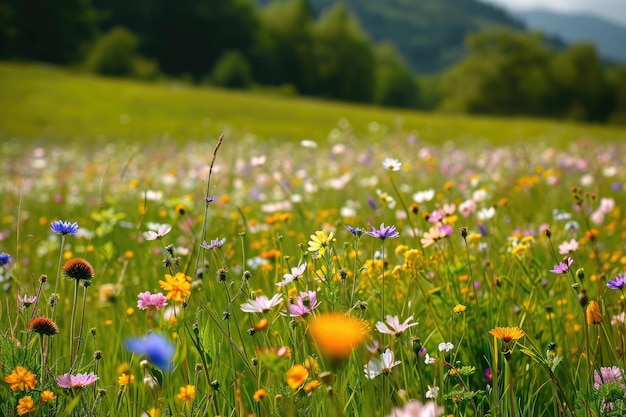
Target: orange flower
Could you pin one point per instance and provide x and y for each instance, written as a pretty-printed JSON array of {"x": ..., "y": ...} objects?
[
  {"x": 259, "y": 394},
  {"x": 312, "y": 386},
  {"x": 187, "y": 393},
  {"x": 296, "y": 376},
  {"x": 336, "y": 335},
  {"x": 25, "y": 405},
  {"x": 78, "y": 269},
  {"x": 48, "y": 396},
  {"x": 506, "y": 334},
  {"x": 21, "y": 379},
  {"x": 594, "y": 315},
  {"x": 176, "y": 286}
]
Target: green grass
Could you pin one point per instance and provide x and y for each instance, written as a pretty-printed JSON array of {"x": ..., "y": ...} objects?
[{"x": 63, "y": 105}]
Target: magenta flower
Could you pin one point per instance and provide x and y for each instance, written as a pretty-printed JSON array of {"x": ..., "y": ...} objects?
[
  {"x": 306, "y": 302},
  {"x": 76, "y": 381},
  {"x": 562, "y": 267},
  {"x": 607, "y": 375},
  {"x": 262, "y": 304},
  {"x": 147, "y": 300}
]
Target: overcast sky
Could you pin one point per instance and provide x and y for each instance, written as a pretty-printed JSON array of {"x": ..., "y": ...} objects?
[{"x": 614, "y": 10}]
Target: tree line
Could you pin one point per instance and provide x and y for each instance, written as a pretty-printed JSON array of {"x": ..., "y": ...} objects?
[{"x": 237, "y": 44}]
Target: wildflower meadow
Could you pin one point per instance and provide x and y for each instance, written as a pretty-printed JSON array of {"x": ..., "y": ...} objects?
[{"x": 343, "y": 277}]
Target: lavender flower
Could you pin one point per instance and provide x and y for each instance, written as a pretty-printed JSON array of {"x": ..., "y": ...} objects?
[
  {"x": 215, "y": 243},
  {"x": 617, "y": 283},
  {"x": 607, "y": 375},
  {"x": 147, "y": 300},
  {"x": 70, "y": 381},
  {"x": 562, "y": 267},
  {"x": 64, "y": 228},
  {"x": 155, "y": 346},
  {"x": 383, "y": 232}
]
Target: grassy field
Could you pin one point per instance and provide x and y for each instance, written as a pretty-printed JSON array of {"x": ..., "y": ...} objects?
[
  {"x": 55, "y": 104},
  {"x": 475, "y": 269}
]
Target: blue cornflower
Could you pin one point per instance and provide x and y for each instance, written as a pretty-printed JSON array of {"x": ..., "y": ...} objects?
[
  {"x": 383, "y": 232},
  {"x": 64, "y": 228},
  {"x": 5, "y": 258},
  {"x": 156, "y": 347},
  {"x": 215, "y": 243},
  {"x": 356, "y": 231},
  {"x": 617, "y": 283}
]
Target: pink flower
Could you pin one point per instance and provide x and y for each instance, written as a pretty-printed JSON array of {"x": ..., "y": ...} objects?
[
  {"x": 467, "y": 207},
  {"x": 393, "y": 325},
  {"x": 262, "y": 304},
  {"x": 306, "y": 302},
  {"x": 147, "y": 300},
  {"x": 414, "y": 408},
  {"x": 606, "y": 375},
  {"x": 566, "y": 247},
  {"x": 76, "y": 381}
]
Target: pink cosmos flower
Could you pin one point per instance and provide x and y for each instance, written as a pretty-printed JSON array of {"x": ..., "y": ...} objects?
[
  {"x": 296, "y": 273},
  {"x": 393, "y": 325},
  {"x": 147, "y": 300},
  {"x": 566, "y": 247},
  {"x": 414, "y": 408},
  {"x": 262, "y": 304},
  {"x": 76, "y": 381},
  {"x": 306, "y": 302}
]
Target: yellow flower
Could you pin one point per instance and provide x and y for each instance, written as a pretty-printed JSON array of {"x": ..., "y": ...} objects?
[
  {"x": 312, "y": 386},
  {"x": 21, "y": 379},
  {"x": 25, "y": 405},
  {"x": 311, "y": 365},
  {"x": 48, "y": 396},
  {"x": 472, "y": 237},
  {"x": 459, "y": 308},
  {"x": 187, "y": 393},
  {"x": 177, "y": 286},
  {"x": 506, "y": 334},
  {"x": 259, "y": 394},
  {"x": 126, "y": 379},
  {"x": 320, "y": 241},
  {"x": 336, "y": 335},
  {"x": 296, "y": 376},
  {"x": 594, "y": 315},
  {"x": 154, "y": 412},
  {"x": 519, "y": 249}
]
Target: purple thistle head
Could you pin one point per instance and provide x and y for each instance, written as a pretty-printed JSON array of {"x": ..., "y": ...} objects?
[
  {"x": 617, "y": 283},
  {"x": 562, "y": 267},
  {"x": 383, "y": 232},
  {"x": 64, "y": 228}
]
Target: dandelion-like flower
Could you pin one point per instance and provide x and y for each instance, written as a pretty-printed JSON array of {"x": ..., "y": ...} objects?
[
  {"x": 78, "y": 269},
  {"x": 296, "y": 272},
  {"x": 384, "y": 365},
  {"x": 562, "y": 267},
  {"x": 25, "y": 405},
  {"x": 617, "y": 283},
  {"x": 384, "y": 232},
  {"x": 391, "y": 164},
  {"x": 64, "y": 228},
  {"x": 44, "y": 326},
  {"x": 177, "y": 286},
  {"x": 506, "y": 334},
  {"x": 320, "y": 241},
  {"x": 162, "y": 231},
  {"x": 157, "y": 348},
  {"x": 148, "y": 300},
  {"x": 76, "y": 381},
  {"x": 262, "y": 304},
  {"x": 393, "y": 326},
  {"x": 296, "y": 376},
  {"x": 414, "y": 408},
  {"x": 336, "y": 335},
  {"x": 187, "y": 393},
  {"x": 21, "y": 379}
]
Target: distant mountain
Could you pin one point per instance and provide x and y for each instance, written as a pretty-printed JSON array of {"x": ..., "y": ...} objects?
[
  {"x": 608, "y": 37},
  {"x": 428, "y": 33}
]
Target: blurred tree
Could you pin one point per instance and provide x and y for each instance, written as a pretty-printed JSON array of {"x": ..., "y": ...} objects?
[
  {"x": 51, "y": 31},
  {"x": 395, "y": 83},
  {"x": 232, "y": 71},
  {"x": 343, "y": 57},
  {"x": 617, "y": 84},
  {"x": 114, "y": 53}
]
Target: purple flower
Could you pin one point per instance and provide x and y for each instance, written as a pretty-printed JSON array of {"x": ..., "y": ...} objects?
[
  {"x": 488, "y": 375},
  {"x": 306, "y": 302},
  {"x": 562, "y": 267},
  {"x": 76, "y": 381},
  {"x": 215, "y": 243},
  {"x": 607, "y": 375},
  {"x": 147, "y": 300},
  {"x": 155, "y": 346},
  {"x": 209, "y": 199},
  {"x": 617, "y": 283},
  {"x": 5, "y": 259},
  {"x": 383, "y": 232},
  {"x": 356, "y": 231},
  {"x": 64, "y": 228}
]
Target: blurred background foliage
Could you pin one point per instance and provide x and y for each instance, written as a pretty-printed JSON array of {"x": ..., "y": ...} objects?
[{"x": 455, "y": 56}]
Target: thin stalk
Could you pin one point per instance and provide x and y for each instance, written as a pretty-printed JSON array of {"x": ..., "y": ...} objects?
[{"x": 72, "y": 320}]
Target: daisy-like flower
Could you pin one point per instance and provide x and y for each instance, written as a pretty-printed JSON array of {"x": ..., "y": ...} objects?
[
  {"x": 76, "y": 381},
  {"x": 156, "y": 347},
  {"x": 25, "y": 405},
  {"x": 608, "y": 375},
  {"x": 162, "y": 231},
  {"x": 393, "y": 326},
  {"x": 44, "y": 326},
  {"x": 432, "y": 392},
  {"x": 215, "y": 243},
  {"x": 177, "y": 287},
  {"x": 506, "y": 334},
  {"x": 296, "y": 272},
  {"x": 562, "y": 267},
  {"x": 386, "y": 199},
  {"x": 384, "y": 365},
  {"x": 568, "y": 247},
  {"x": 320, "y": 241},
  {"x": 392, "y": 164},
  {"x": 64, "y": 228},
  {"x": 447, "y": 346},
  {"x": 21, "y": 379},
  {"x": 384, "y": 232},
  {"x": 336, "y": 335},
  {"x": 78, "y": 269},
  {"x": 424, "y": 196},
  {"x": 617, "y": 283},
  {"x": 296, "y": 376},
  {"x": 414, "y": 408},
  {"x": 262, "y": 304},
  {"x": 187, "y": 393},
  {"x": 459, "y": 308},
  {"x": 306, "y": 302},
  {"x": 148, "y": 300},
  {"x": 429, "y": 360},
  {"x": 434, "y": 234}
]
